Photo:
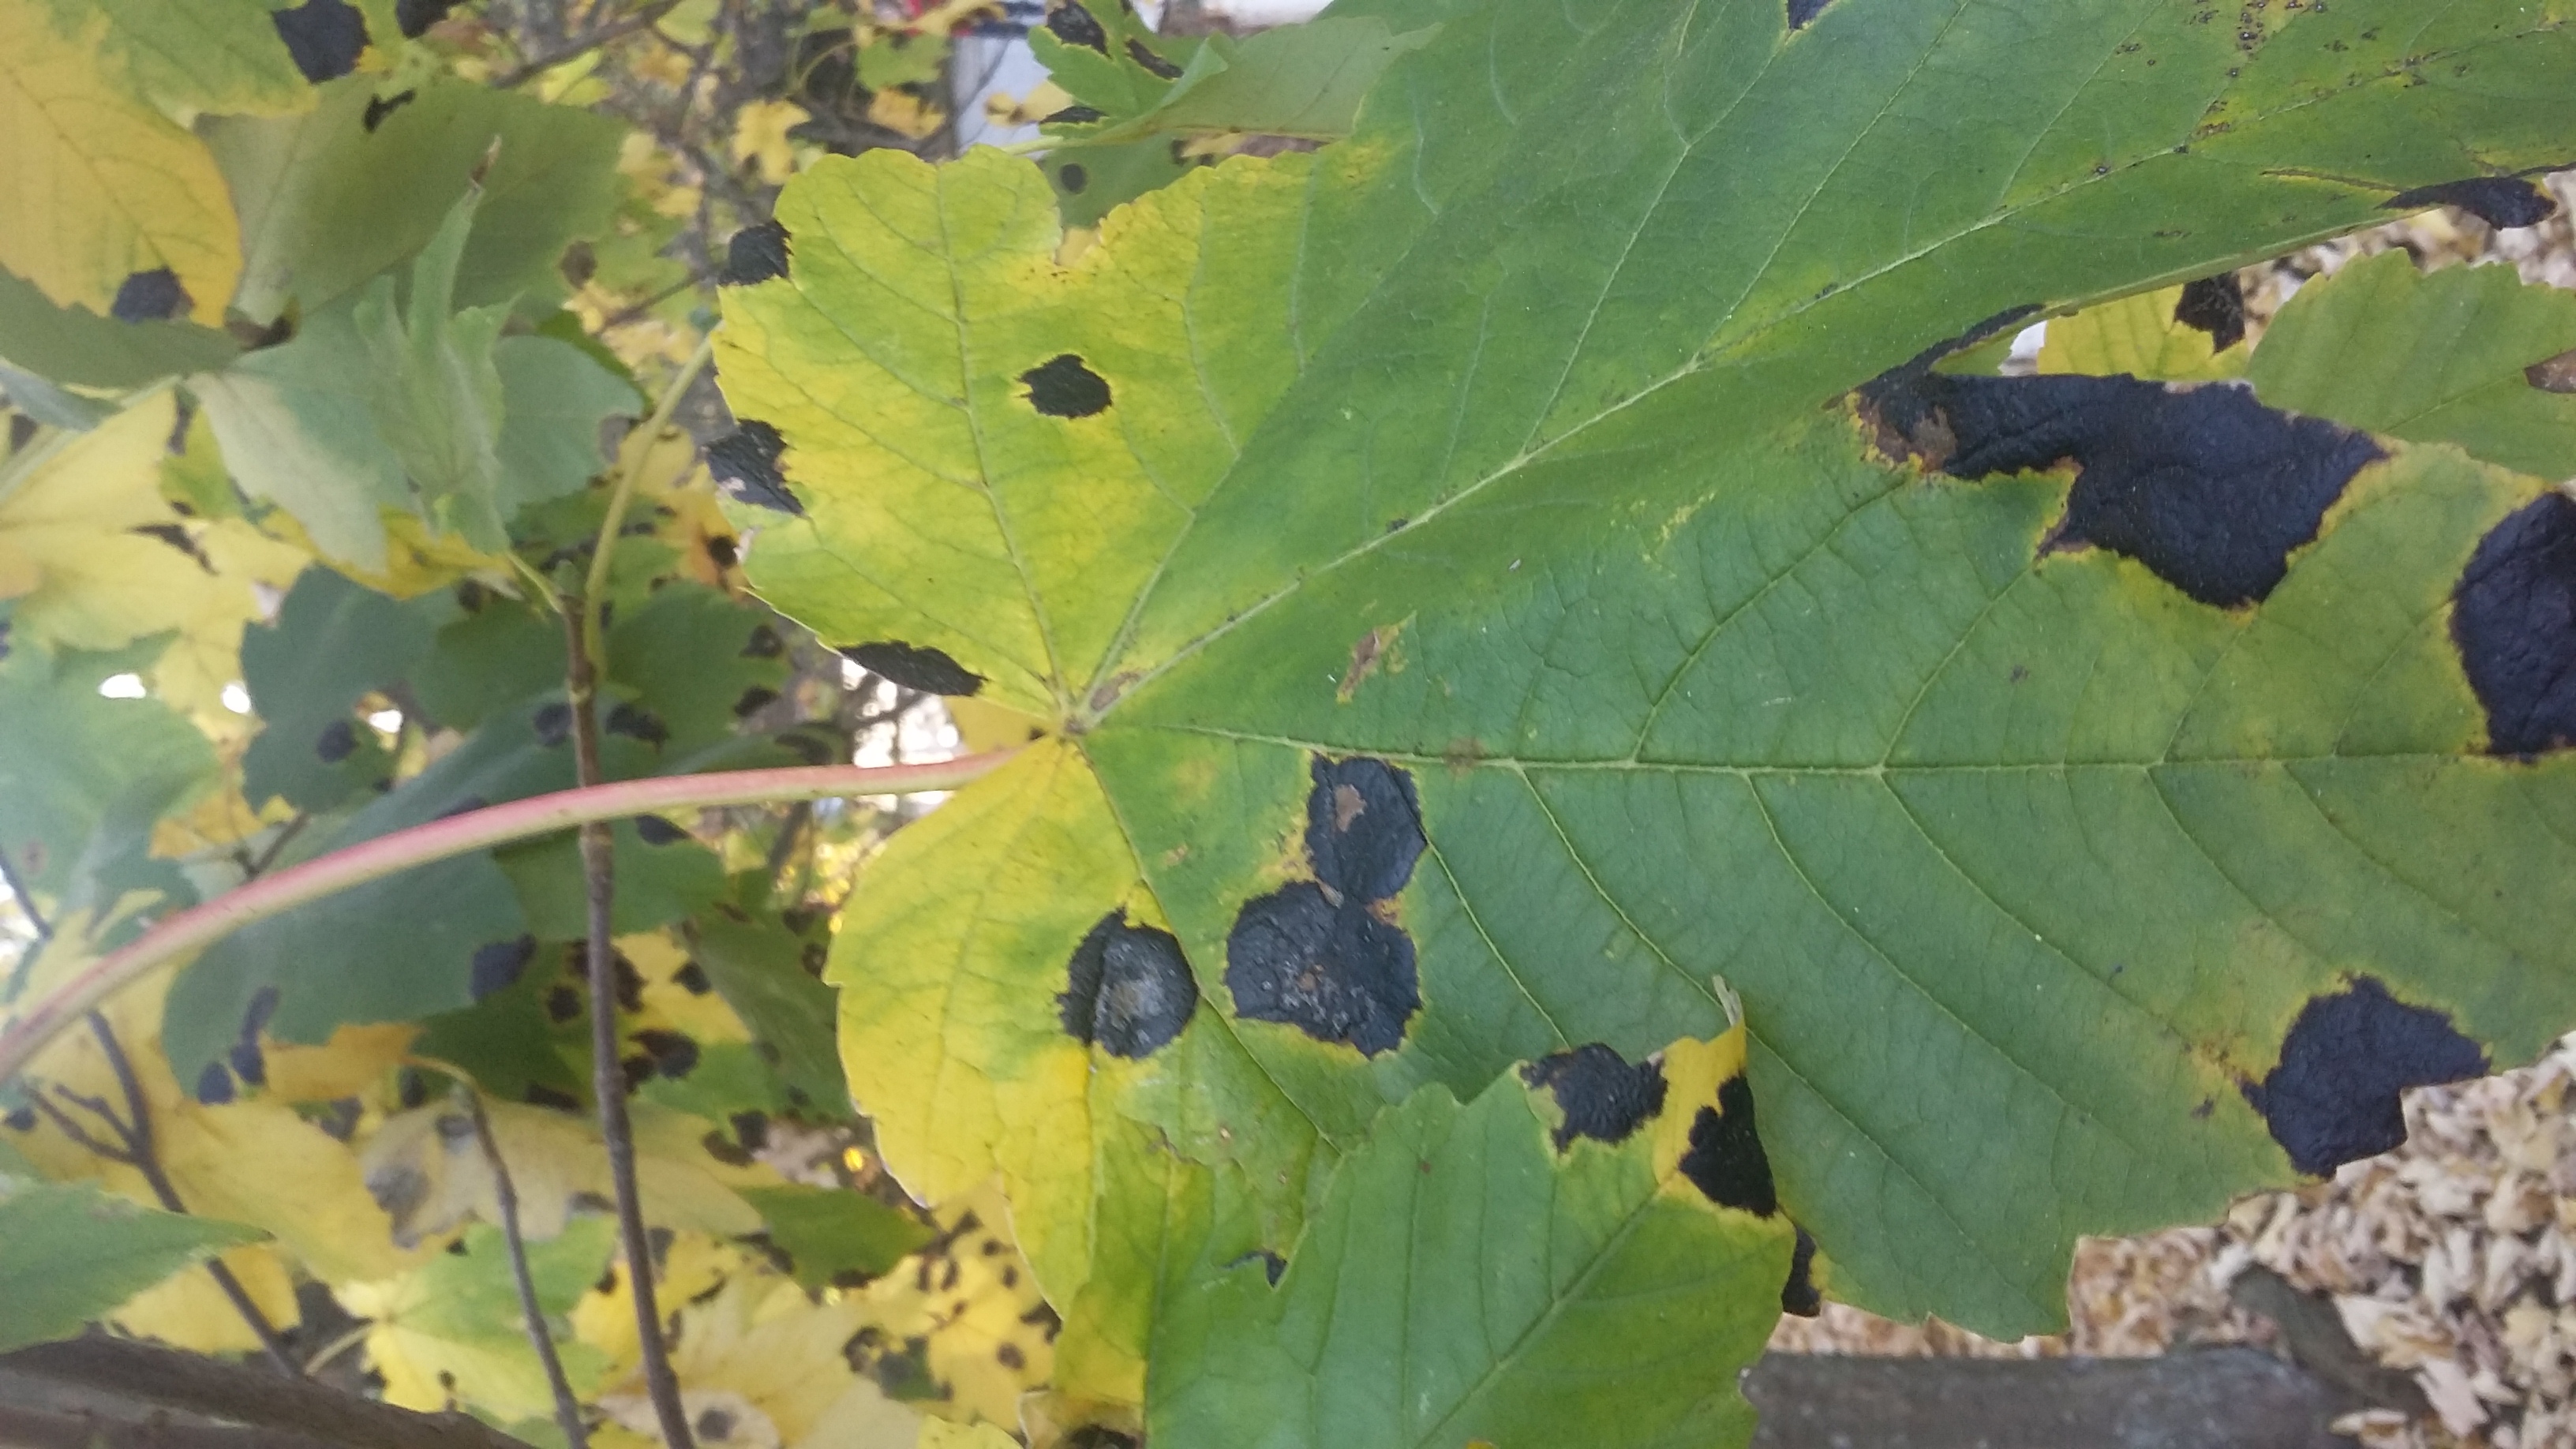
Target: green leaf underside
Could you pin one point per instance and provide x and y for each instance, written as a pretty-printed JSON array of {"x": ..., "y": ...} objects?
[
  {"x": 2020, "y": 862},
  {"x": 70, "y": 1253}
]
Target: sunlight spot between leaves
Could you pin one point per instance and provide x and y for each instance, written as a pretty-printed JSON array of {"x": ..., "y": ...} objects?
[
  {"x": 122, "y": 686},
  {"x": 236, "y": 698}
]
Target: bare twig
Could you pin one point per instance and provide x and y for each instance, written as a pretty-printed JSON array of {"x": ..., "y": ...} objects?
[
  {"x": 567, "y": 1404},
  {"x": 268, "y": 857},
  {"x": 584, "y": 43}
]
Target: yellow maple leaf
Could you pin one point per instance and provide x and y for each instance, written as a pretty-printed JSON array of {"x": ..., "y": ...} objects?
[{"x": 760, "y": 136}]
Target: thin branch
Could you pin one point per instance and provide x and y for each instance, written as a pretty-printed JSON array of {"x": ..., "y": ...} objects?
[
  {"x": 149, "y": 1374},
  {"x": 268, "y": 857},
  {"x": 583, "y": 44},
  {"x": 193, "y": 930},
  {"x": 27, "y": 1428},
  {"x": 567, "y": 1404},
  {"x": 590, "y": 643}
]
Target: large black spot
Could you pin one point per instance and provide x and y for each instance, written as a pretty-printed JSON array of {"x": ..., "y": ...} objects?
[
  {"x": 414, "y": 17},
  {"x": 2215, "y": 305},
  {"x": 323, "y": 37},
  {"x": 654, "y": 830},
  {"x": 2499, "y": 201},
  {"x": 757, "y": 253},
  {"x": 1601, "y": 1095},
  {"x": 1725, "y": 1158},
  {"x": 1145, "y": 55},
  {"x": 1363, "y": 827},
  {"x": 1062, "y": 387},
  {"x": 1332, "y": 970},
  {"x": 1798, "y": 1296},
  {"x": 1127, "y": 988},
  {"x": 1803, "y": 11},
  {"x": 2333, "y": 1098},
  {"x": 1075, "y": 26},
  {"x": 915, "y": 666},
  {"x": 2208, "y": 488},
  {"x": 499, "y": 964},
  {"x": 745, "y": 463},
  {"x": 153, "y": 296},
  {"x": 2513, "y": 617}
]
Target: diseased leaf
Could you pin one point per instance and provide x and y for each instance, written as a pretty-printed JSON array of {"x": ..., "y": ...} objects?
[
  {"x": 557, "y": 398},
  {"x": 830, "y": 1233},
  {"x": 225, "y": 56},
  {"x": 2144, "y": 336},
  {"x": 455, "y": 1321},
  {"x": 332, "y": 642},
  {"x": 1490, "y": 577},
  {"x": 759, "y": 966},
  {"x": 70, "y": 1253}
]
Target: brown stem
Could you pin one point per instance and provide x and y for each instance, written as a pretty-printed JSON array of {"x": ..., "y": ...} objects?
[
  {"x": 147, "y": 1374},
  {"x": 607, "y": 1074},
  {"x": 29, "y": 1428},
  {"x": 567, "y": 1404}
]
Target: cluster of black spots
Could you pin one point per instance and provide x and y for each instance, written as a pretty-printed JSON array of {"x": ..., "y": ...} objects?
[
  {"x": 1144, "y": 55},
  {"x": 337, "y": 741},
  {"x": 2215, "y": 305},
  {"x": 654, "y": 830},
  {"x": 914, "y": 666},
  {"x": 757, "y": 253},
  {"x": 1801, "y": 12},
  {"x": 1128, "y": 989},
  {"x": 1725, "y": 1159},
  {"x": 2513, "y": 618},
  {"x": 379, "y": 107},
  {"x": 1798, "y": 1296},
  {"x": 2503, "y": 202},
  {"x": 414, "y": 17},
  {"x": 243, "y": 1059},
  {"x": 745, "y": 463},
  {"x": 1318, "y": 954},
  {"x": 2208, "y": 488},
  {"x": 323, "y": 37},
  {"x": 498, "y": 965},
  {"x": 1075, "y": 26},
  {"x": 153, "y": 296},
  {"x": 1601, "y": 1096},
  {"x": 1064, "y": 387},
  {"x": 1074, "y": 116},
  {"x": 669, "y": 1053},
  {"x": 2333, "y": 1098}
]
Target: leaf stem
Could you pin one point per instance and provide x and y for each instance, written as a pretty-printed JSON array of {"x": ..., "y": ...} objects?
[
  {"x": 193, "y": 930},
  {"x": 506, "y": 1194}
]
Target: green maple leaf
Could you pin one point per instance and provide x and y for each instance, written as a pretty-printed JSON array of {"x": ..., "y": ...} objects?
[{"x": 1581, "y": 497}]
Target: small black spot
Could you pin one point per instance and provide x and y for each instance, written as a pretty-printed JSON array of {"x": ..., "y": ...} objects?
[
  {"x": 751, "y": 1129},
  {"x": 722, "y": 549},
  {"x": 630, "y": 983},
  {"x": 812, "y": 957},
  {"x": 1272, "y": 1265},
  {"x": 637, "y": 1070},
  {"x": 745, "y": 462},
  {"x": 22, "y": 428},
  {"x": 714, "y": 1424},
  {"x": 153, "y": 296},
  {"x": 500, "y": 964},
  {"x": 1144, "y": 55},
  {"x": 1074, "y": 116},
  {"x": 563, "y": 1003},
  {"x": 692, "y": 978},
  {"x": 1363, "y": 827},
  {"x": 1803, "y": 11},
  {"x": 338, "y": 1118},
  {"x": 1074, "y": 26},
  {"x": 2208, "y": 488},
  {"x": 1601, "y": 1095},
  {"x": 1063, "y": 387},
  {"x": 337, "y": 742},
  {"x": 552, "y": 722},
  {"x": 471, "y": 596},
  {"x": 22, "y": 1119},
  {"x": 806, "y": 746},
  {"x": 411, "y": 1088},
  {"x": 1008, "y": 1355},
  {"x": 323, "y": 37},
  {"x": 2513, "y": 618},
  {"x": 538, "y": 1094},
  {"x": 2215, "y": 305},
  {"x": 215, "y": 1085},
  {"x": 915, "y": 666},
  {"x": 379, "y": 107},
  {"x": 1334, "y": 971},
  {"x": 414, "y": 17},
  {"x": 636, "y": 724},
  {"x": 1072, "y": 177},
  {"x": 654, "y": 830},
  {"x": 1127, "y": 988},
  {"x": 1725, "y": 1158},
  {"x": 764, "y": 643},
  {"x": 757, "y": 253},
  {"x": 1798, "y": 1296},
  {"x": 2503, "y": 202},
  {"x": 2333, "y": 1098},
  {"x": 753, "y": 700}
]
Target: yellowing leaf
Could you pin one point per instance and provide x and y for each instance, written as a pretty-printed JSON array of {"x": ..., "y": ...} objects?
[
  {"x": 190, "y": 1310},
  {"x": 199, "y": 55},
  {"x": 2140, "y": 336},
  {"x": 100, "y": 186},
  {"x": 975, "y": 1308},
  {"x": 428, "y": 1167},
  {"x": 760, "y": 136},
  {"x": 453, "y": 1330},
  {"x": 904, "y": 112}
]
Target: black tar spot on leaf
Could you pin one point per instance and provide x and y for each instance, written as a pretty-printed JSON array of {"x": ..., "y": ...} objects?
[
  {"x": 757, "y": 253},
  {"x": 2215, "y": 305},
  {"x": 379, "y": 107},
  {"x": 1074, "y": 26},
  {"x": 1601, "y": 1095},
  {"x": 337, "y": 742},
  {"x": 153, "y": 296},
  {"x": 1062, "y": 387},
  {"x": 692, "y": 978},
  {"x": 745, "y": 463},
  {"x": 244, "y": 1055},
  {"x": 2499, "y": 201},
  {"x": 753, "y": 700},
  {"x": 915, "y": 666},
  {"x": 214, "y": 1085},
  {"x": 1072, "y": 177},
  {"x": 1144, "y": 55},
  {"x": 764, "y": 643},
  {"x": 498, "y": 965},
  {"x": 654, "y": 830},
  {"x": 672, "y": 1054},
  {"x": 1074, "y": 116},
  {"x": 1798, "y": 1296},
  {"x": 2513, "y": 617},
  {"x": 563, "y": 1003},
  {"x": 2208, "y": 488},
  {"x": 1363, "y": 827},
  {"x": 1094, "y": 1436},
  {"x": 1803, "y": 11},
  {"x": 323, "y": 37},
  {"x": 414, "y": 17},
  {"x": 636, "y": 724},
  {"x": 1272, "y": 1265},
  {"x": 1725, "y": 1158},
  {"x": 552, "y": 723},
  {"x": 1127, "y": 988},
  {"x": 2333, "y": 1097},
  {"x": 1334, "y": 971}
]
